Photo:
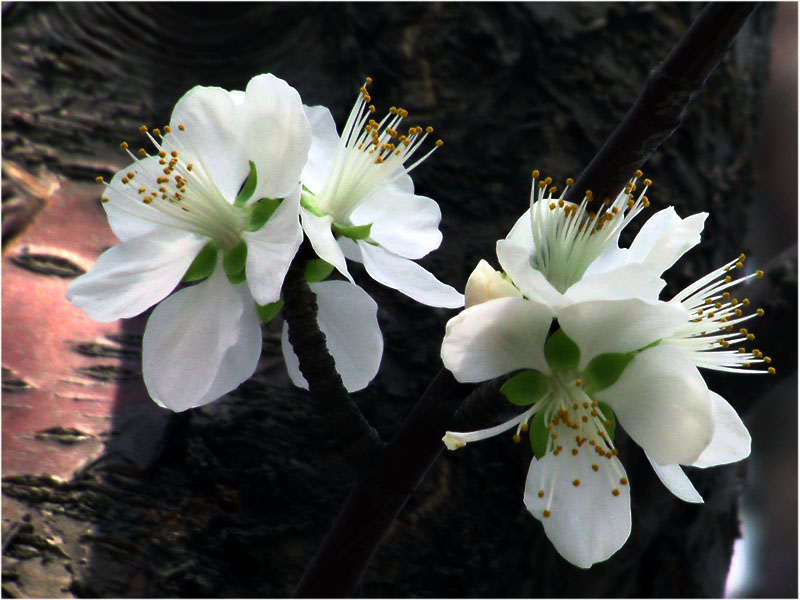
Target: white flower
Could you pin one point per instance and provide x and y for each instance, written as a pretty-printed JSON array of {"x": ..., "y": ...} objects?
[
  {"x": 605, "y": 363},
  {"x": 358, "y": 201},
  {"x": 559, "y": 252},
  {"x": 710, "y": 328},
  {"x": 220, "y": 195}
]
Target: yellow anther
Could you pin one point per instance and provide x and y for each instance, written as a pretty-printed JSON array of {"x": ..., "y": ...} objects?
[
  {"x": 524, "y": 427},
  {"x": 124, "y": 145},
  {"x": 546, "y": 514},
  {"x": 759, "y": 274},
  {"x": 99, "y": 179},
  {"x": 771, "y": 370},
  {"x": 585, "y": 419},
  {"x": 648, "y": 182},
  {"x": 645, "y": 201},
  {"x": 541, "y": 494},
  {"x": 728, "y": 280},
  {"x": 576, "y": 482},
  {"x": 103, "y": 199},
  {"x": 741, "y": 257},
  {"x": 623, "y": 481},
  {"x": 574, "y": 452},
  {"x": 725, "y": 295},
  {"x": 429, "y": 129},
  {"x": 739, "y": 265},
  {"x": 570, "y": 181},
  {"x": 157, "y": 132},
  {"x": 142, "y": 190},
  {"x": 638, "y": 173},
  {"x": 125, "y": 180},
  {"x": 751, "y": 337},
  {"x": 167, "y": 129},
  {"x": 147, "y": 199},
  {"x": 174, "y": 154},
  {"x": 439, "y": 143},
  {"x": 741, "y": 350},
  {"x": 746, "y": 365},
  {"x": 548, "y": 180},
  {"x": 579, "y": 382},
  {"x": 553, "y": 190},
  {"x": 181, "y": 127},
  {"x": 143, "y": 129},
  {"x": 615, "y": 492},
  {"x": 760, "y": 312},
  {"x": 516, "y": 438},
  {"x": 368, "y": 80},
  {"x": 595, "y": 468},
  {"x": 746, "y": 302},
  {"x": 535, "y": 174},
  {"x": 589, "y": 196},
  {"x": 767, "y": 359}
]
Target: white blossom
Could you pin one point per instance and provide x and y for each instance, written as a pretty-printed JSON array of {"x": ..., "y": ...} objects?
[{"x": 359, "y": 203}]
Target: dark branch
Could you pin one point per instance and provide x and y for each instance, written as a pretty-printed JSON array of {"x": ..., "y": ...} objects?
[
  {"x": 658, "y": 111},
  {"x": 381, "y": 492},
  {"x": 357, "y": 437}
]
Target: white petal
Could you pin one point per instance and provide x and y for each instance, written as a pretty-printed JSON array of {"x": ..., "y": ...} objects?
[
  {"x": 318, "y": 230},
  {"x": 676, "y": 481},
  {"x": 130, "y": 278},
  {"x": 496, "y": 337},
  {"x": 587, "y": 523},
  {"x": 665, "y": 237},
  {"x": 515, "y": 260},
  {"x": 324, "y": 141},
  {"x": 201, "y": 343},
  {"x": 731, "y": 440},
  {"x": 277, "y": 135},
  {"x": 602, "y": 326},
  {"x": 270, "y": 250},
  {"x": 633, "y": 280},
  {"x": 214, "y": 133},
  {"x": 663, "y": 403},
  {"x": 521, "y": 233},
  {"x": 348, "y": 318},
  {"x": 405, "y": 224},
  {"x": 486, "y": 284},
  {"x": 408, "y": 277}
]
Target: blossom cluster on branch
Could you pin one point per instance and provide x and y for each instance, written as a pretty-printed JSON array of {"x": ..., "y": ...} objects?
[
  {"x": 581, "y": 320},
  {"x": 212, "y": 217}
]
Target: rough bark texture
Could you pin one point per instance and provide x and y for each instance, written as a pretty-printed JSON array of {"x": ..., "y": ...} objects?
[{"x": 233, "y": 499}]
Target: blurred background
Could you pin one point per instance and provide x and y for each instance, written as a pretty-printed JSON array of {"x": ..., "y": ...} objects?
[{"x": 105, "y": 494}]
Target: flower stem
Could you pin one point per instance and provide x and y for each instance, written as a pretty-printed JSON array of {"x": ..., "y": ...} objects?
[
  {"x": 357, "y": 437},
  {"x": 658, "y": 110}
]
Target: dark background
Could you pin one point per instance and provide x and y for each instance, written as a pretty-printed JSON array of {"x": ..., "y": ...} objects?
[{"x": 232, "y": 499}]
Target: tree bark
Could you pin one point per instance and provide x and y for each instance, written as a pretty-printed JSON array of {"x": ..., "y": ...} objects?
[{"x": 236, "y": 497}]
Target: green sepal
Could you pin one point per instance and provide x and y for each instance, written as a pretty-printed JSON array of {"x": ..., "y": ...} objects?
[
  {"x": 234, "y": 262},
  {"x": 526, "y": 388},
  {"x": 604, "y": 370},
  {"x": 258, "y": 213},
  {"x": 561, "y": 352},
  {"x": 309, "y": 206},
  {"x": 203, "y": 264},
  {"x": 248, "y": 188},
  {"x": 538, "y": 432},
  {"x": 317, "y": 270},
  {"x": 609, "y": 415},
  {"x": 354, "y": 232},
  {"x": 268, "y": 312}
]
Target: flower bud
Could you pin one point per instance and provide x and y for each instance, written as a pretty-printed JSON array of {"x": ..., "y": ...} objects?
[{"x": 486, "y": 284}]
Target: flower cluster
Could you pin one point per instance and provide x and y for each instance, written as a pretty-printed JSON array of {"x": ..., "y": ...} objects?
[
  {"x": 217, "y": 203},
  {"x": 581, "y": 320}
]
